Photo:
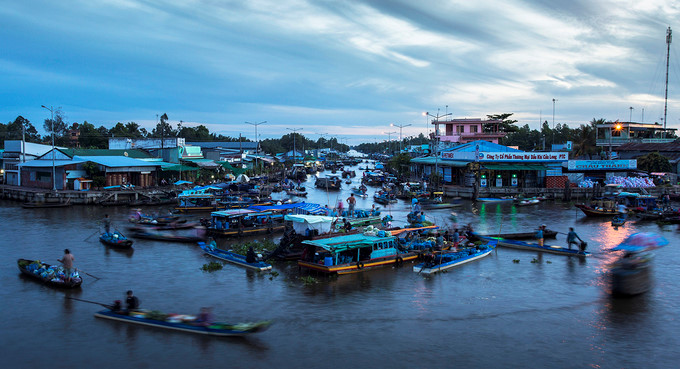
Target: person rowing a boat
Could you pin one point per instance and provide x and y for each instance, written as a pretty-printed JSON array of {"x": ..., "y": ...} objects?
[
  {"x": 571, "y": 238},
  {"x": 131, "y": 301},
  {"x": 107, "y": 223},
  {"x": 67, "y": 262},
  {"x": 205, "y": 317}
]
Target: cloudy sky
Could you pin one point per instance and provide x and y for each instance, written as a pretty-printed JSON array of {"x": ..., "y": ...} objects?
[{"x": 346, "y": 68}]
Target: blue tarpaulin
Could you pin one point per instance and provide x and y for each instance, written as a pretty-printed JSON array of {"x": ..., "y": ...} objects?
[{"x": 298, "y": 208}]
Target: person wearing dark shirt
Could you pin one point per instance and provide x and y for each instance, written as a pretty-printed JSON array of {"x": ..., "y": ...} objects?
[
  {"x": 250, "y": 255},
  {"x": 131, "y": 301}
]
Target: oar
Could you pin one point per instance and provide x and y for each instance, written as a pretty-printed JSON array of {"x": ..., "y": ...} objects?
[
  {"x": 90, "y": 302},
  {"x": 90, "y": 236},
  {"x": 89, "y": 274}
]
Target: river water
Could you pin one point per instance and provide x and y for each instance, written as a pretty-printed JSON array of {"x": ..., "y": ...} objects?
[{"x": 494, "y": 313}]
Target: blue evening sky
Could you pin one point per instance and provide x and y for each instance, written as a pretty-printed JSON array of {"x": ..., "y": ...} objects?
[{"x": 346, "y": 68}]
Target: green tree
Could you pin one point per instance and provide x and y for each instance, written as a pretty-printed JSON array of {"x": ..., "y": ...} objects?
[
  {"x": 399, "y": 164},
  {"x": 163, "y": 128},
  {"x": 91, "y": 137},
  {"x": 56, "y": 125},
  {"x": 507, "y": 125},
  {"x": 654, "y": 162}
]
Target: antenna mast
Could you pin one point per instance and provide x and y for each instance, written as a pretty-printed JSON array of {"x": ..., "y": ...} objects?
[{"x": 669, "y": 38}]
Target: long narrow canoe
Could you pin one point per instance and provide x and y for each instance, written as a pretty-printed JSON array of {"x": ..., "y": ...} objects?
[
  {"x": 592, "y": 212},
  {"x": 495, "y": 199},
  {"x": 523, "y": 245},
  {"x": 521, "y": 235},
  {"x": 215, "y": 329},
  {"x": 234, "y": 258},
  {"x": 450, "y": 260}
]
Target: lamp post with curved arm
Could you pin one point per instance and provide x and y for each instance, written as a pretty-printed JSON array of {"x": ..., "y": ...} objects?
[{"x": 400, "y": 127}]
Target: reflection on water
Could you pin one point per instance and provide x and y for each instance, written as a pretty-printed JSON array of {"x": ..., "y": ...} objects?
[{"x": 476, "y": 313}]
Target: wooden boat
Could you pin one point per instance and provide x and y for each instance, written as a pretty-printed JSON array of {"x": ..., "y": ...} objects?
[
  {"x": 384, "y": 199},
  {"x": 43, "y": 204},
  {"x": 183, "y": 323},
  {"x": 151, "y": 233},
  {"x": 618, "y": 221},
  {"x": 296, "y": 192},
  {"x": 358, "y": 192},
  {"x": 593, "y": 212},
  {"x": 196, "y": 201},
  {"x": 328, "y": 183},
  {"x": 547, "y": 233},
  {"x": 36, "y": 269},
  {"x": 522, "y": 245},
  {"x": 451, "y": 259},
  {"x": 115, "y": 239},
  {"x": 495, "y": 199},
  {"x": 244, "y": 222},
  {"x": 527, "y": 202},
  {"x": 352, "y": 253},
  {"x": 234, "y": 258}
]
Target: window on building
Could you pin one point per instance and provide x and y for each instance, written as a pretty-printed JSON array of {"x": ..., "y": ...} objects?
[
  {"x": 473, "y": 129},
  {"x": 460, "y": 129},
  {"x": 449, "y": 129}
]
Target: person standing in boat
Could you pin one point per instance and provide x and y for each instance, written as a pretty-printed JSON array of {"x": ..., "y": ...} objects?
[
  {"x": 107, "y": 223},
  {"x": 131, "y": 301},
  {"x": 67, "y": 262},
  {"x": 351, "y": 201},
  {"x": 455, "y": 238},
  {"x": 571, "y": 238},
  {"x": 539, "y": 235}
]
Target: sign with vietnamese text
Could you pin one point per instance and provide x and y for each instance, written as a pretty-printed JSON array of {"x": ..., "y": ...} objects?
[
  {"x": 601, "y": 164},
  {"x": 506, "y": 156}
]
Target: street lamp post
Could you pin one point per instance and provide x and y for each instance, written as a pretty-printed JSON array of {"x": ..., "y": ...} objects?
[
  {"x": 436, "y": 119},
  {"x": 54, "y": 183},
  {"x": 400, "y": 128},
  {"x": 631, "y": 114},
  {"x": 553, "y": 133},
  {"x": 617, "y": 127},
  {"x": 294, "y": 149},
  {"x": 257, "y": 139}
]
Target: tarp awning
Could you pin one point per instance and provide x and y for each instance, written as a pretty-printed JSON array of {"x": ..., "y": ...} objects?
[
  {"x": 515, "y": 167},
  {"x": 301, "y": 223}
]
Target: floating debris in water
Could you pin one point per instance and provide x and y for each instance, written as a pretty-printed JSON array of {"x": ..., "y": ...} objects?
[
  {"x": 211, "y": 267},
  {"x": 516, "y": 261}
]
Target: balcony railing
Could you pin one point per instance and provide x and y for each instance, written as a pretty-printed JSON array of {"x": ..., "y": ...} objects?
[{"x": 617, "y": 141}]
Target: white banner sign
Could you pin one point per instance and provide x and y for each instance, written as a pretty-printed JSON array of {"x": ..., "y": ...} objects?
[{"x": 506, "y": 156}]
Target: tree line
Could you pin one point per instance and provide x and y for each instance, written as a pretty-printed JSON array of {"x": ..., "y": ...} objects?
[{"x": 92, "y": 137}]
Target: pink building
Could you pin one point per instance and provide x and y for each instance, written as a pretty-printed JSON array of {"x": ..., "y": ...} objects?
[{"x": 468, "y": 130}]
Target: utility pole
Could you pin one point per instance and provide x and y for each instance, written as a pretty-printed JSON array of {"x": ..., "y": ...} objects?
[
  {"x": 669, "y": 38},
  {"x": 257, "y": 150},
  {"x": 54, "y": 183},
  {"x": 294, "y": 149}
]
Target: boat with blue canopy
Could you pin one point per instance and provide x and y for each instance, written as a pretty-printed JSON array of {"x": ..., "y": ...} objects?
[{"x": 358, "y": 252}]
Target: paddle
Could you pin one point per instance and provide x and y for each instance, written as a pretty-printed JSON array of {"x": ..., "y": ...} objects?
[
  {"x": 97, "y": 278},
  {"x": 90, "y": 302},
  {"x": 90, "y": 236}
]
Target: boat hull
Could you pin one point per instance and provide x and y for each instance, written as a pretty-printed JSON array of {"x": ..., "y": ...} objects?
[
  {"x": 422, "y": 268},
  {"x": 522, "y": 245},
  {"x": 359, "y": 267},
  {"x": 630, "y": 282},
  {"x": 242, "y": 329},
  {"x": 234, "y": 258},
  {"x": 56, "y": 284}
]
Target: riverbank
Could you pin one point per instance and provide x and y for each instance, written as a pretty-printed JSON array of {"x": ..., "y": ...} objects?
[{"x": 107, "y": 197}]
